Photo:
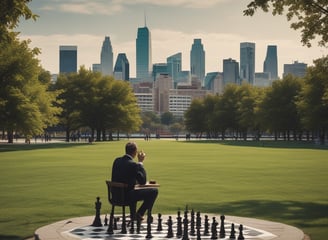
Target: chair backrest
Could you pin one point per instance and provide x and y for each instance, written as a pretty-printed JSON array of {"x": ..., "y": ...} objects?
[{"x": 117, "y": 193}]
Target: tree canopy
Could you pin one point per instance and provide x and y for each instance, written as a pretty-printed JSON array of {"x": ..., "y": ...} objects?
[{"x": 309, "y": 16}]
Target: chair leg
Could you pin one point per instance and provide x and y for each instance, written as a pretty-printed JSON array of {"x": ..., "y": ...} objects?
[
  {"x": 111, "y": 221},
  {"x": 123, "y": 230}
]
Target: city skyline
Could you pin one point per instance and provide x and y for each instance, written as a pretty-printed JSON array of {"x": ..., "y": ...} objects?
[{"x": 173, "y": 26}]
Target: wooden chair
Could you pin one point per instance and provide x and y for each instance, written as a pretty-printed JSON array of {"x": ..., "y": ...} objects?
[{"x": 116, "y": 197}]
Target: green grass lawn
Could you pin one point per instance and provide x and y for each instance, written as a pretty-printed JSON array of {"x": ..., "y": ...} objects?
[{"x": 284, "y": 182}]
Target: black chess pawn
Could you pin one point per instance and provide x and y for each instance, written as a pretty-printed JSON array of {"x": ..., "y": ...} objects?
[
  {"x": 169, "y": 228},
  {"x": 192, "y": 223},
  {"x": 241, "y": 236},
  {"x": 149, "y": 221},
  {"x": 138, "y": 225},
  {"x": 185, "y": 226},
  {"x": 179, "y": 225},
  {"x": 106, "y": 220},
  {"x": 206, "y": 226},
  {"x": 159, "y": 223},
  {"x": 222, "y": 230},
  {"x": 232, "y": 232},
  {"x": 214, "y": 233},
  {"x": 97, "y": 220}
]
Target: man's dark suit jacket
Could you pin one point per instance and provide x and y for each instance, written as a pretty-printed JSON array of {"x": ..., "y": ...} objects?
[{"x": 125, "y": 170}]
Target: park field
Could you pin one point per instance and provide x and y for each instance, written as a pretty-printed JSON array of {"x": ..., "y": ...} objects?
[{"x": 284, "y": 182}]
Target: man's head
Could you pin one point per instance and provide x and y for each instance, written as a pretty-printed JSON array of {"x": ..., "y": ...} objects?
[{"x": 131, "y": 149}]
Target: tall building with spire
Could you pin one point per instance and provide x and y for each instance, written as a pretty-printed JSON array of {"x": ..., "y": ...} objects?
[
  {"x": 271, "y": 62},
  {"x": 106, "y": 58},
  {"x": 197, "y": 59},
  {"x": 143, "y": 53},
  {"x": 247, "y": 62}
]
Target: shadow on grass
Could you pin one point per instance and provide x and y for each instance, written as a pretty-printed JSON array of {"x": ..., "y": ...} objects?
[
  {"x": 5, "y": 237},
  {"x": 303, "y": 214},
  {"x": 24, "y": 147},
  {"x": 265, "y": 144}
]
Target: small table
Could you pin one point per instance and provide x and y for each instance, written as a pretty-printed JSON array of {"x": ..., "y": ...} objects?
[{"x": 147, "y": 185}]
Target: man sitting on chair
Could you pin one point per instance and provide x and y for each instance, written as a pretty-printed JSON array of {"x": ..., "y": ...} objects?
[{"x": 125, "y": 170}]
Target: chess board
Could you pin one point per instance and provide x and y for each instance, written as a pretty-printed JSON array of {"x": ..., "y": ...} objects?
[{"x": 90, "y": 232}]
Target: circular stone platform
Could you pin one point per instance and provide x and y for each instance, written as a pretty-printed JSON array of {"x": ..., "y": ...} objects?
[{"x": 80, "y": 228}]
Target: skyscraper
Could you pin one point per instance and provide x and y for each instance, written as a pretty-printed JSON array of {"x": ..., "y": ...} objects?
[
  {"x": 297, "y": 69},
  {"x": 271, "y": 62},
  {"x": 174, "y": 63},
  {"x": 197, "y": 59},
  {"x": 122, "y": 67},
  {"x": 67, "y": 59},
  {"x": 143, "y": 53},
  {"x": 247, "y": 62},
  {"x": 106, "y": 58},
  {"x": 230, "y": 71}
]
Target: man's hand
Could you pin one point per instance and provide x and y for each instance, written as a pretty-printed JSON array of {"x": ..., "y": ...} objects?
[{"x": 141, "y": 156}]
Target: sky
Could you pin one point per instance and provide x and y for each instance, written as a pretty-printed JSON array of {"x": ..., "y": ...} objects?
[{"x": 173, "y": 24}]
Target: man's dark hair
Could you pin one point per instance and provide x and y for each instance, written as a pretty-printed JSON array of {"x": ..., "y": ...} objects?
[{"x": 130, "y": 148}]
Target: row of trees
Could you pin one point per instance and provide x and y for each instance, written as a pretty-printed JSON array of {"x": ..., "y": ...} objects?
[
  {"x": 99, "y": 103},
  {"x": 290, "y": 107}
]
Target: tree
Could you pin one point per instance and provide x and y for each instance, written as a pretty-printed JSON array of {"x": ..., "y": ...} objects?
[
  {"x": 313, "y": 101},
  {"x": 11, "y": 11},
  {"x": 98, "y": 102},
  {"x": 278, "y": 108},
  {"x": 311, "y": 16},
  {"x": 167, "y": 118},
  {"x": 195, "y": 118},
  {"x": 26, "y": 104}
]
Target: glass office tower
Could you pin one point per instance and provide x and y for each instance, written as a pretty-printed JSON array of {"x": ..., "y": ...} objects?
[
  {"x": 122, "y": 67},
  {"x": 247, "y": 62},
  {"x": 230, "y": 71},
  {"x": 197, "y": 59},
  {"x": 106, "y": 58},
  {"x": 271, "y": 62},
  {"x": 174, "y": 66},
  {"x": 67, "y": 59},
  {"x": 143, "y": 54}
]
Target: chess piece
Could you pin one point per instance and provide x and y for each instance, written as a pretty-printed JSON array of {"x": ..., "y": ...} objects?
[
  {"x": 198, "y": 225},
  {"x": 179, "y": 225},
  {"x": 149, "y": 221},
  {"x": 241, "y": 236},
  {"x": 214, "y": 233},
  {"x": 192, "y": 223},
  {"x": 185, "y": 226},
  {"x": 206, "y": 226},
  {"x": 97, "y": 220},
  {"x": 222, "y": 230},
  {"x": 232, "y": 232},
  {"x": 169, "y": 229},
  {"x": 138, "y": 225},
  {"x": 159, "y": 223},
  {"x": 106, "y": 220}
]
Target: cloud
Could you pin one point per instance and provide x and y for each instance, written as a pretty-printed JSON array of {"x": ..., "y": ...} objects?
[{"x": 105, "y": 7}]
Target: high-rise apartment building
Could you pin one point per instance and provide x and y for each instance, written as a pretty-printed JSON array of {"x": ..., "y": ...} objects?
[
  {"x": 247, "y": 62},
  {"x": 122, "y": 67},
  {"x": 67, "y": 59},
  {"x": 174, "y": 64},
  {"x": 271, "y": 62},
  {"x": 143, "y": 54},
  {"x": 230, "y": 71},
  {"x": 297, "y": 69},
  {"x": 197, "y": 59},
  {"x": 106, "y": 58}
]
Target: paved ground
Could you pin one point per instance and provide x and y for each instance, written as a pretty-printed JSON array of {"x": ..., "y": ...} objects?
[{"x": 63, "y": 230}]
